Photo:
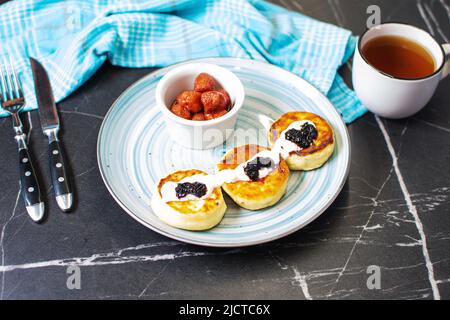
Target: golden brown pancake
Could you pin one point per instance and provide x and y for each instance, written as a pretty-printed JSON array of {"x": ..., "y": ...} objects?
[
  {"x": 198, "y": 214},
  {"x": 317, "y": 153},
  {"x": 254, "y": 195}
]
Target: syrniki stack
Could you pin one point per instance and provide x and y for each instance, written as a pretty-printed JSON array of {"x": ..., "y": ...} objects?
[{"x": 255, "y": 177}]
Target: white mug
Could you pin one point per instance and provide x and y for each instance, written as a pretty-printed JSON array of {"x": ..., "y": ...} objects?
[{"x": 392, "y": 97}]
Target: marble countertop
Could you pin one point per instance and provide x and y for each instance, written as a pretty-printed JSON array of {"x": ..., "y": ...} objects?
[{"x": 393, "y": 213}]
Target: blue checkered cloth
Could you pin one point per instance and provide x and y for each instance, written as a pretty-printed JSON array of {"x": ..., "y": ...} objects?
[{"x": 73, "y": 38}]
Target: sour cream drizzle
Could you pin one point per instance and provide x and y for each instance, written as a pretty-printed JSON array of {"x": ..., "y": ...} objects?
[{"x": 282, "y": 148}]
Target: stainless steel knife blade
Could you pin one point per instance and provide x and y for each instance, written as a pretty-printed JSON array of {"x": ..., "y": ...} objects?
[
  {"x": 44, "y": 95},
  {"x": 50, "y": 126}
]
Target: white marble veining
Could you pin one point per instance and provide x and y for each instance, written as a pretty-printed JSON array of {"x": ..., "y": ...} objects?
[
  {"x": 2, "y": 245},
  {"x": 110, "y": 258},
  {"x": 85, "y": 114},
  {"x": 412, "y": 209},
  {"x": 436, "y": 23},
  {"x": 334, "y": 5},
  {"x": 446, "y": 7},
  {"x": 375, "y": 204},
  {"x": 301, "y": 280},
  {"x": 424, "y": 16}
]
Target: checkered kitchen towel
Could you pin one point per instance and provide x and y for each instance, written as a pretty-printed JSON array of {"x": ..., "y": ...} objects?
[{"x": 73, "y": 38}]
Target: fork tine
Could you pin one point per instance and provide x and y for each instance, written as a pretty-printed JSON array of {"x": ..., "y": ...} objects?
[
  {"x": 9, "y": 80},
  {"x": 2, "y": 82},
  {"x": 7, "y": 83},
  {"x": 15, "y": 80}
]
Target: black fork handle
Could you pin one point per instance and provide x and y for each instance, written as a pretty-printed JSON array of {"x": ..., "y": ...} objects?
[
  {"x": 29, "y": 186},
  {"x": 28, "y": 181}
]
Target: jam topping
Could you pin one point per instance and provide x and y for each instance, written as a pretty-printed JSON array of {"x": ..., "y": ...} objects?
[
  {"x": 252, "y": 168},
  {"x": 303, "y": 137},
  {"x": 196, "y": 188}
]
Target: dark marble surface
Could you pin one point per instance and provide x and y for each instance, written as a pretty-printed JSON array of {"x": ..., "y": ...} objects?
[{"x": 392, "y": 214}]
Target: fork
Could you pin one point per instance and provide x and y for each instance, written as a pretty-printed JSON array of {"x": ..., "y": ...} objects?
[{"x": 12, "y": 100}]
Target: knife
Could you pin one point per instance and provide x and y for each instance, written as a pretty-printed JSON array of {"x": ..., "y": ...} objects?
[{"x": 50, "y": 126}]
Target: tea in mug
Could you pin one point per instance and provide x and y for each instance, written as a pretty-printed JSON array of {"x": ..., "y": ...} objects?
[{"x": 399, "y": 57}]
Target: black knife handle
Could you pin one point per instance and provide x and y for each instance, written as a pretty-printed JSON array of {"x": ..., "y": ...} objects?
[
  {"x": 28, "y": 182},
  {"x": 58, "y": 170}
]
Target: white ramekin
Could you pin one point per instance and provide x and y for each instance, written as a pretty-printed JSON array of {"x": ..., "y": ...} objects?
[{"x": 198, "y": 134}]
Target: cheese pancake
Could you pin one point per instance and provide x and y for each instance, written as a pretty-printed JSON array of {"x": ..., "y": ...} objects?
[
  {"x": 254, "y": 195},
  {"x": 198, "y": 214},
  {"x": 317, "y": 153}
]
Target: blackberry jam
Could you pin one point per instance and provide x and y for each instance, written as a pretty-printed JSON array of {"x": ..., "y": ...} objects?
[
  {"x": 303, "y": 137},
  {"x": 196, "y": 188},
  {"x": 252, "y": 168}
]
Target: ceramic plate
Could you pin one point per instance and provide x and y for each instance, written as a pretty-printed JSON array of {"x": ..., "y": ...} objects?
[{"x": 134, "y": 151}]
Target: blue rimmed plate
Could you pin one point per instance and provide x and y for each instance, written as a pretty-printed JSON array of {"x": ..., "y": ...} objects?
[{"x": 134, "y": 151}]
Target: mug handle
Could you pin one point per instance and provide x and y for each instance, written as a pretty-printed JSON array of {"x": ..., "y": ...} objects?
[{"x": 446, "y": 70}]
